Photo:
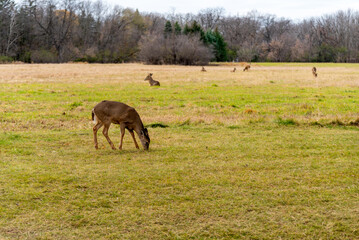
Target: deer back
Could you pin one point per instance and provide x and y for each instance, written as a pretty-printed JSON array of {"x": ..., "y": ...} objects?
[{"x": 116, "y": 112}]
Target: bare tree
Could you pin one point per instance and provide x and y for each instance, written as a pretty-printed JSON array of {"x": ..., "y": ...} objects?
[
  {"x": 8, "y": 26},
  {"x": 63, "y": 30},
  {"x": 57, "y": 25},
  {"x": 13, "y": 30},
  {"x": 153, "y": 49},
  {"x": 189, "y": 50},
  {"x": 242, "y": 35},
  {"x": 210, "y": 18},
  {"x": 154, "y": 22}
]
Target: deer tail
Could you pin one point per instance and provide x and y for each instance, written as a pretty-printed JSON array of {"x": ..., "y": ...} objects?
[{"x": 94, "y": 118}]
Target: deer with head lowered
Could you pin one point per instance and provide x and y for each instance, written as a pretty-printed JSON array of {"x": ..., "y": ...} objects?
[
  {"x": 151, "y": 81},
  {"x": 314, "y": 71},
  {"x": 107, "y": 112}
]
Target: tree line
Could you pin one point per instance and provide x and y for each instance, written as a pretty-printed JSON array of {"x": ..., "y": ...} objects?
[{"x": 55, "y": 31}]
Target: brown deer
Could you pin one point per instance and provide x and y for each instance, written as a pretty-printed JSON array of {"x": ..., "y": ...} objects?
[
  {"x": 314, "y": 71},
  {"x": 203, "y": 70},
  {"x": 246, "y": 68},
  {"x": 107, "y": 112},
  {"x": 234, "y": 70},
  {"x": 151, "y": 81}
]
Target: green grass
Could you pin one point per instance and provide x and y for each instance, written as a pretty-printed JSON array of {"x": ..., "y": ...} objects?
[{"x": 229, "y": 161}]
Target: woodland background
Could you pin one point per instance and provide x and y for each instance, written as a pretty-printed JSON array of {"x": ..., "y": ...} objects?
[{"x": 50, "y": 31}]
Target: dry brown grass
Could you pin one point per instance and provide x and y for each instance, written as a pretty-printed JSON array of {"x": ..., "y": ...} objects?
[{"x": 300, "y": 76}]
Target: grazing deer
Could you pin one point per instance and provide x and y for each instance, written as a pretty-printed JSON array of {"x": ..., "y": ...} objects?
[
  {"x": 107, "y": 112},
  {"x": 234, "y": 70},
  {"x": 203, "y": 70},
  {"x": 246, "y": 68},
  {"x": 151, "y": 81},
  {"x": 314, "y": 71}
]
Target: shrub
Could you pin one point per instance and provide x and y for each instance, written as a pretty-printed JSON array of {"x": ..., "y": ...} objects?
[
  {"x": 43, "y": 56},
  {"x": 25, "y": 57},
  {"x": 5, "y": 59},
  {"x": 176, "y": 49}
]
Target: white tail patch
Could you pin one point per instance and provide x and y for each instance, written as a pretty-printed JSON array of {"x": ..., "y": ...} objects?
[{"x": 95, "y": 119}]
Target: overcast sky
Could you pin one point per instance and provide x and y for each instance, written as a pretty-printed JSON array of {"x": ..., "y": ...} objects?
[{"x": 293, "y": 9}]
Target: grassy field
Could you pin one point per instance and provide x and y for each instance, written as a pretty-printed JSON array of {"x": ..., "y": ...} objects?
[{"x": 272, "y": 153}]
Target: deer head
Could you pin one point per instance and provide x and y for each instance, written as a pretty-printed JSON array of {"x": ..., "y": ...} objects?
[
  {"x": 144, "y": 138},
  {"x": 149, "y": 77}
]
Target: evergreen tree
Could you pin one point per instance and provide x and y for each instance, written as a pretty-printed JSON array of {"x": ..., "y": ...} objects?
[
  {"x": 209, "y": 37},
  {"x": 186, "y": 29},
  {"x": 193, "y": 29},
  {"x": 168, "y": 29},
  {"x": 177, "y": 28},
  {"x": 215, "y": 39},
  {"x": 220, "y": 47},
  {"x": 196, "y": 28}
]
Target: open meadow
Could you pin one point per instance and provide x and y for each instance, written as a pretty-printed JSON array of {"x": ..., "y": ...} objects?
[{"x": 272, "y": 153}]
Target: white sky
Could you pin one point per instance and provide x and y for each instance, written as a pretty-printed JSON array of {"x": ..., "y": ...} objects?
[{"x": 293, "y": 9}]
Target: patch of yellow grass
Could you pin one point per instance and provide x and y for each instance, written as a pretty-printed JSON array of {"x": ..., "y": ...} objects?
[{"x": 170, "y": 74}]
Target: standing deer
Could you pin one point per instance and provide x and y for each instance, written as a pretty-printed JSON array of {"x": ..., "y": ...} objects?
[
  {"x": 314, "y": 71},
  {"x": 203, "y": 70},
  {"x": 151, "y": 81},
  {"x": 107, "y": 112},
  {"x": 234, "y": 70},
  {"x": 246, "y": 68}
]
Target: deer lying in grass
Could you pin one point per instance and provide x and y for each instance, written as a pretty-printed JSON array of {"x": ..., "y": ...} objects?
[
  {"x": 203, "y": 70},
  {"x": 234, "y": 70},
  {"x": 314, "y": 71},
  {"x": 107, "y": 112},
  {"x": 246, "y": 68},
  {"x": 151, "y": 81}
]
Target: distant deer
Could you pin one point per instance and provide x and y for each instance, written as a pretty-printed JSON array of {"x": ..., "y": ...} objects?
[
  {"x": 107, "y": 112},
  {"x": 151, "y": 81},
  {"x": 234, "y": 70},
  {"x": 314, "y": 71},
  {"x": 203, "y": 70},
  {"x": 246, "y": 68}
]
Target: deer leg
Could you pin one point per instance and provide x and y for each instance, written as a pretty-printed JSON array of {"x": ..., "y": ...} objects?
[
  {"x": 95, "y": 129},
  {"x": 122, "y": 127},
  {"x": 105, "y": 133},
  {"x": 134, "y": 139}
]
